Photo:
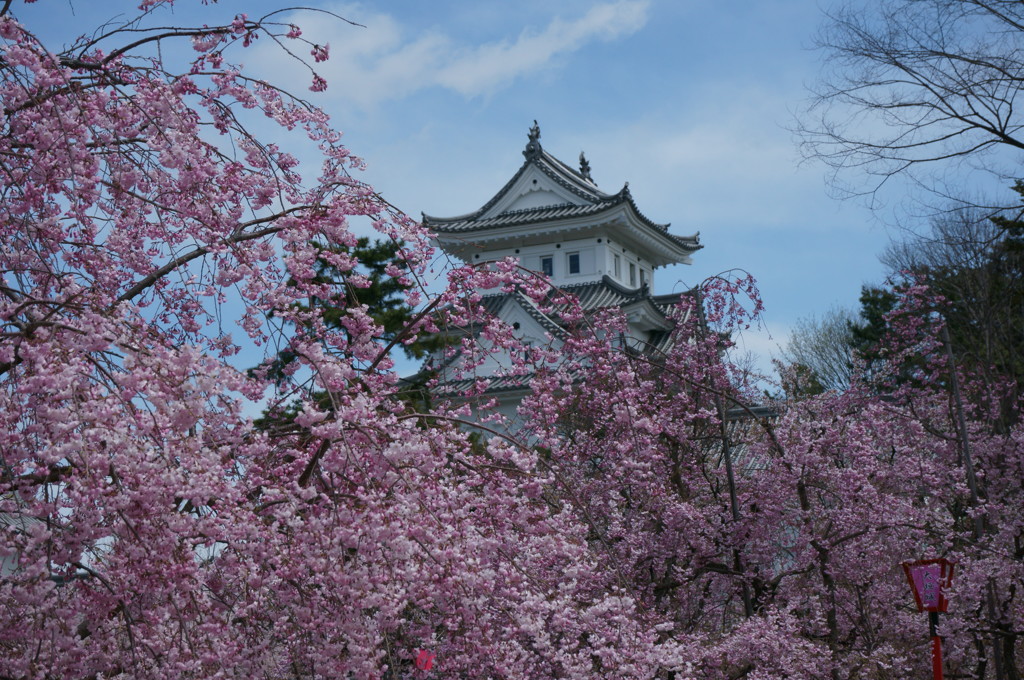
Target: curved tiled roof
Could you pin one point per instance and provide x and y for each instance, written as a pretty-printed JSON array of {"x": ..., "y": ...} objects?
[
  {"x": 561, "y": 173},
  {"x": 592, "y": 297},
  {"x": 596, "y": 201},
  {"x": 503, "y": 383},
  {"x": 513, "y": 217},
  {"x": 609, "y": 293}
]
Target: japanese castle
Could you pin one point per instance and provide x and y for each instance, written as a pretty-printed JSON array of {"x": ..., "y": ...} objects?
[{"x": 594, "y": 245}]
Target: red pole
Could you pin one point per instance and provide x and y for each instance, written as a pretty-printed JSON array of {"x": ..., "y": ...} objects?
[{"x": 933, "y": 624}]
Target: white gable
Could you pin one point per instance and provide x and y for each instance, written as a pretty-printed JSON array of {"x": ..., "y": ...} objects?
[
  {"x": 533, "y": 189},
  {"x": 523, "y": 325},
  {"x": 535, "y": 199},
  {"x": 528, "y": 328}
]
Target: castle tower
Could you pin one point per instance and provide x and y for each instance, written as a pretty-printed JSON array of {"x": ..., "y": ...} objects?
[{"x": 595, "y": 245}]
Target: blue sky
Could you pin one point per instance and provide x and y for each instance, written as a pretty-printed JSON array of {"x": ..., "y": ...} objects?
[{"x": 690, "y": 101}]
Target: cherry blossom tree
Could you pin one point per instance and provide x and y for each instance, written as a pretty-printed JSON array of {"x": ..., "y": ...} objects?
[
  {"x": 648, "y": 522},
  {"x": 150, "y": 530},
  {"x": 768, "y": 544}
]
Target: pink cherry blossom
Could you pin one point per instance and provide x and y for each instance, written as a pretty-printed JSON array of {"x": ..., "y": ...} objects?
[{"x": 655, "y": 517}]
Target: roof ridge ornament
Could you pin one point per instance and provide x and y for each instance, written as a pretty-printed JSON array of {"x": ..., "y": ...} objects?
[
  {"x": 585, "y": 168},
  {"x": 533, "y": 148}
]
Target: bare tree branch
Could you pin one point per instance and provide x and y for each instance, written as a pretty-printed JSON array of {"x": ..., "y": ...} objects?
[{"x": 912, "y": 85}]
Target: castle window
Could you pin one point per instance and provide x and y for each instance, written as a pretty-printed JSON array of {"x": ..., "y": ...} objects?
[
  {"x": 643, "y": 277},
  {"x": 547, "y": 265},
  {"x": 632, "y": 274},
  {"x": 573, "y": 260},
  {"x": 617, "y": 262}
]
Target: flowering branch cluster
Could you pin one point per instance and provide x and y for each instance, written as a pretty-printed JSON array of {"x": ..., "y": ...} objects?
[{"x": 647, "y": 521}]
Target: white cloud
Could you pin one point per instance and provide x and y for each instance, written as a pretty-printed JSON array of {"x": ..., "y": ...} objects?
[
  {"x": 731, "y": 166},
  {"x": 483, "y": 68},
  {"x": 382, "y": 62}
]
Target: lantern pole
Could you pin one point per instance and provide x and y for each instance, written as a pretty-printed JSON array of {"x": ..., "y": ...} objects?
[{"x": 933, "y": 625}]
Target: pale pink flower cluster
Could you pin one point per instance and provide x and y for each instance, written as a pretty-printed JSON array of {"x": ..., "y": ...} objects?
[{"x": 645, "y": 523}]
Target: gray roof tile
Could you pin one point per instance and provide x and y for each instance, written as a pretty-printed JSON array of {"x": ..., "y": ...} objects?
[{"x": 597, "y": 202}]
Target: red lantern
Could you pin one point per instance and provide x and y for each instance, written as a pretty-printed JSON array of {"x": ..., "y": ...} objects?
[
  {"x": 425, "y": 660},
  {"x": 929, "y": 579}
]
